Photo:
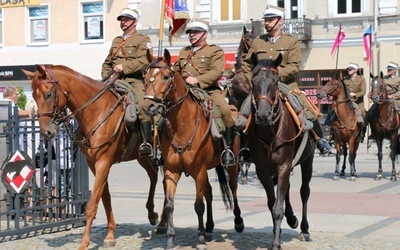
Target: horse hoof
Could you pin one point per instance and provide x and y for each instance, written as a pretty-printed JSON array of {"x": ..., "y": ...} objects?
[
  {"x": 244, "y": 181},
  {"x": 207, "y": 237},
  {"x": 352, "y": 178},
  {"x": 154, "y": 221},
  {"x": 293, "y": 224},
  {"x": 336, "y": 178},
  {"x": 109, "y": 243},
  {"x": 170, "y": 246},
  {"x": 201, "y": 247},
  {"x": 378, "y": 177},
  {"x": 304, "y": 237},
  {"x": 161, "y": 230},
  {"x": 393, "y": 178},
  {"x": 342, "y": 174},
  {"x": 239, "y": 227}
]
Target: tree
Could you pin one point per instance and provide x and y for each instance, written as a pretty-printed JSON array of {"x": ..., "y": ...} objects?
[{"x": 21, "y": 102}]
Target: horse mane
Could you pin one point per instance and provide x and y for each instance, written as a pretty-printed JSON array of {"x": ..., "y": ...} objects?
[{"x": 76, "y": 74}]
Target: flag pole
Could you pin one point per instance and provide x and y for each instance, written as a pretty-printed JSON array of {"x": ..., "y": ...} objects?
[
  {"x": 161, "y": 32},
  {"x": 338, "y": 47}
]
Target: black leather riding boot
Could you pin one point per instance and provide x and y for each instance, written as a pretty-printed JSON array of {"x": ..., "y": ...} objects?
[
  {"x": 145, "y": 149},
  {"x": 227, "y": 156},
  {"x": 322, "y": 145}
]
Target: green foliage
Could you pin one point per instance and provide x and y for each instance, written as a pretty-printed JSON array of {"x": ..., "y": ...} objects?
[{"x": 21, "y": 102}]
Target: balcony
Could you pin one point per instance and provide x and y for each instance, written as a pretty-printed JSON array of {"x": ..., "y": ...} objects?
[{"x": 298, "y": 27}]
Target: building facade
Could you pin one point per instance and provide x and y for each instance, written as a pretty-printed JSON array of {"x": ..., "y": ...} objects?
[{"x": 78, "y": 33}]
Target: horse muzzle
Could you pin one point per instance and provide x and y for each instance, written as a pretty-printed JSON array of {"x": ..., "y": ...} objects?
[
  {"x": 265, "y": 118},
  {"x": 151, "y": 107},
  {"x": 49, "y": 130}
]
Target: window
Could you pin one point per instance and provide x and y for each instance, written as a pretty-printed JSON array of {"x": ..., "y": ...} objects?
[
  {"x": 231, "y": 10},
  {"x": 1, "y": 26},
  {"x": 92, "y": 16},
  {"x": 38, "y": 24},
  {"x": 291, "y": 8},
  {"x": 348, "y": 7}
]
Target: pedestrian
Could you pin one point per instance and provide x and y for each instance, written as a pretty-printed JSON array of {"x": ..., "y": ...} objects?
[
  {"x": 356, "y": 85},
  {"x": 269, "y": 46},
  {"x": 202, "y": 65},
  {"x": 127, "y": 56}
]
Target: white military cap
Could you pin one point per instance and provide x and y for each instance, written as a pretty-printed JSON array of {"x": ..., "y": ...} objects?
[
  {"x": 352, "y": 66},
  {"x": 392, "y": 65},
  {"x": 129, "y": 13},
  {"x": 197, "y": 24},
  {"x": 273, "y": 11}
]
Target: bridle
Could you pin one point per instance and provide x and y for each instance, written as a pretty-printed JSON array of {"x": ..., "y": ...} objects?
[
  {"x": 166, "y": 105},
  {"x": 378, "y": 96}
]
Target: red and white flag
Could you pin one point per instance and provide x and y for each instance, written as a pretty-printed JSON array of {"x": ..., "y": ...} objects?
[
  {"x": 339, "y": 38},
  {"x": 367, "y": 38},
  {"x": 177, "y": 16}
]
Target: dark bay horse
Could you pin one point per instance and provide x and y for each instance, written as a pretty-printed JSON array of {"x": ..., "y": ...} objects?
[
  {"x": 276, "y": 146},
  {"x": 345, "y": 129},
  {"x": 238, "y": 89},
  {"x": 384, "y": 123},
  {"x": 102, "y": 136},
  {"x": 187, "y": 147}
]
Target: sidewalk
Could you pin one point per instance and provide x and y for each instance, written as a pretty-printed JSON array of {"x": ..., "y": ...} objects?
[{"x": 344, "y": 214}]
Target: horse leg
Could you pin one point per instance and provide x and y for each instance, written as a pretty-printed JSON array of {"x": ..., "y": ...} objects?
[
  {"x": 291, "y": 219},
  {"x": 170, "y": 183},
  {"x": 338, "y": 152},
  {"x": 306, "y": 175},
  {"x": 239, "y": 225},
  {"x": 210, "y": 220},
  {"x": 353, "y": 146},
  {"x": 342, "y": 172},
  {"x": 380, "y": 157},
  {"x": 153, "y": 175},
  {"x": 100, "y": 189},
  {"x": 201, "y": 190},
  {"x": 393, "y": 152}
]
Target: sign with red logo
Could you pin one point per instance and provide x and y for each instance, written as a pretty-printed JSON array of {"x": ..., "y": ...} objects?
[{"x": 17, "y": 172}]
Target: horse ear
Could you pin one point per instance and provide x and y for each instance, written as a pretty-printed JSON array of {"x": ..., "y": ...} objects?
[
  {"x": 254, "y": 60},
  {"x": 371, "y": 75},
  {"x": 244, "y": 30},
  {"x": 167, "y": 57},
  {"x": 278, "y": 60},
  {"x": 41, "y": 70},
  {"x": 28, "y": 73},
  {"x": 149, "y": 56},
  {"x": 381, "y": 74}
]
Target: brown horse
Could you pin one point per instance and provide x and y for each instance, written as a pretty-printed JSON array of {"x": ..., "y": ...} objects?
[
  {"x": 187, "y": 146},
  {"x": 237, "y": 90},
  {"x": 384, "y": 122},
  {"x": 277, "y": 145},
  {"x": 345, "y": 128},
  {"x": 102, "y": 136}
]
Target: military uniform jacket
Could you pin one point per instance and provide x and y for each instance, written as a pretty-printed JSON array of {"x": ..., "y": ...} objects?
[
  {"x": 206, "y": 64},
  {"x": 131, "y": 53},
  {"x": 357, "y": 86},
  {"x": 393, "y": 86},
  {"x": 264, "y": 49}
]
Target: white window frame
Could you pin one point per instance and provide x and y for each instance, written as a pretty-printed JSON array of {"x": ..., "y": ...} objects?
[
  {"x": 216, "y": 12},
  {"x": 83, "y": 16},
  {"x": 1, "y": 28},
  {"x": 349, "y": 12},
  {"x": 36, "y": 19}
]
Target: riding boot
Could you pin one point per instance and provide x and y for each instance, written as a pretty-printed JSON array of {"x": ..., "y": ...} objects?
[
  {"x": 227, "y": 156},
  {"x": 322, "y": 145},
  {"x": 145, "y": 149},
  {"x": 244, "y": 114},
  {"x": 362, "y": 131}
]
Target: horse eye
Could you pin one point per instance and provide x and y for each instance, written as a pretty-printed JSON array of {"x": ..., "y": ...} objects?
[
  {"x": 165, "y": 77},
  {"x": 47, "y": 95}
]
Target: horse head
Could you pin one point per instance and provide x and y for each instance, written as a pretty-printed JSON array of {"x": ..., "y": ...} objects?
[
  {"x": 51, "y": 105},
  {"x": 160, "y": 84},
  {"x": 378, "y": 88},
  {"x": 331, "y": 88},
  {"x": 265, "y": 91}
]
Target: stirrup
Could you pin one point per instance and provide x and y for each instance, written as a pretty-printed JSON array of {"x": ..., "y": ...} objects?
[
  {"x": 244, "y": 155},
  {"x": 323, "y": 146},
  {"x": 227, "y": 158},
  {"x": 145, "y": 150}
]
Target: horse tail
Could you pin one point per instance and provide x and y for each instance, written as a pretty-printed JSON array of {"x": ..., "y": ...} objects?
[{"x": 225, "y": 190}]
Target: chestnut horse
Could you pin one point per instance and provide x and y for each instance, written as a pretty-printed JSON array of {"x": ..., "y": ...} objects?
[
  {"x": 384, "y": 123},
  {"x": 345, "y": 128},
  {"x": 238, "y": 89},
  {"x": 187, "y": 146},
  {"x": 102, "y": 136},
  {"x": 277, "y": 145}
]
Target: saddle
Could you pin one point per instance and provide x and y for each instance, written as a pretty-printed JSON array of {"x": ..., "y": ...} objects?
[{"x": 203, "y": 99}]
